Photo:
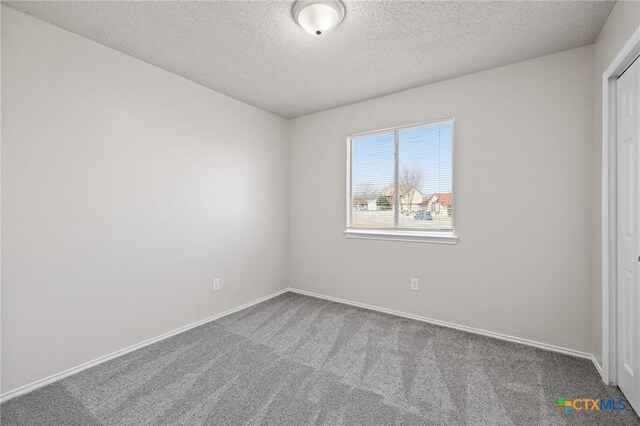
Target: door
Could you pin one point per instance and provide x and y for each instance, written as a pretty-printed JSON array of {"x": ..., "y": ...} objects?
[{"x": 628, "y": 243}]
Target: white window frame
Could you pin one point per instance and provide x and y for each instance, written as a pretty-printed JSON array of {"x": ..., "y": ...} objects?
[{"x": 395, "y": 234}]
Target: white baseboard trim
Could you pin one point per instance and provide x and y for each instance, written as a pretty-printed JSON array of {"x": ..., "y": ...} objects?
[
  {"x": 66, "y": 373},
  {"x": 598, "y": 367},
  {"x": 473, "y": 330}
]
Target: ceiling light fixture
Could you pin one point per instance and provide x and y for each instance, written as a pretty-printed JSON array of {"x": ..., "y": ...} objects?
[{"x": 318, "y": 16}]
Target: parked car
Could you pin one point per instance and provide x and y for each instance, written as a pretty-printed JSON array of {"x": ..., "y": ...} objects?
[{"x": 423, "y": 216}]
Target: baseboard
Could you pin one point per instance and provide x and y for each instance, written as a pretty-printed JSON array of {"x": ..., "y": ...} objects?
[
  {"x": 598, "y": 367},
  {"x": 59, "y": 376},
  {"x": 473, "y": 330},
  {"x": 71, "y": 371}
]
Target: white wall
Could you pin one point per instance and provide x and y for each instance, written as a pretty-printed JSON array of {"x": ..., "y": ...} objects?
[
  {"x": 124, "y": 193},
  {"x": 623, "y": 20},
  {"x": 523, "y": 148}
]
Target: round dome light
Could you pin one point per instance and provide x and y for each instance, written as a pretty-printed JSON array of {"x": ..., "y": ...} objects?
[{"x": 317, "y": 17}]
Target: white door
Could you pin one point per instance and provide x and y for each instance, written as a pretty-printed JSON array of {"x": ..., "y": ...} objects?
[{"x": 628, "y": 289}]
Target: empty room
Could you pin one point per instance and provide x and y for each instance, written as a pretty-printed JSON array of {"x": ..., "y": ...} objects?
[{"x": 328, "y": 212}]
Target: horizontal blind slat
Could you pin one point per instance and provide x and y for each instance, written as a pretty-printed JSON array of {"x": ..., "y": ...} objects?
[{"x": 425, "y": 178}]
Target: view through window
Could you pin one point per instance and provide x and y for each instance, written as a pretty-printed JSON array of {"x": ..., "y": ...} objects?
[{"x": 414, "y": 162}]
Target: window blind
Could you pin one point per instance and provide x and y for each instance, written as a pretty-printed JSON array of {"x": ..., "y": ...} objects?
[{"x": 402, "y": 179}]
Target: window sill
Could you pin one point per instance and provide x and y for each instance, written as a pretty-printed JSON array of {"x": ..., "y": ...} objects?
[{"x": 411, "y": 236}]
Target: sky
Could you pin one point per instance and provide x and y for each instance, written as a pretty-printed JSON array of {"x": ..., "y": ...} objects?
[{"x": 427, "y": 149}]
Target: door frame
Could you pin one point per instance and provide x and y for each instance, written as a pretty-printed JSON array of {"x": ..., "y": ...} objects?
[{"x": 629, "y": 52}]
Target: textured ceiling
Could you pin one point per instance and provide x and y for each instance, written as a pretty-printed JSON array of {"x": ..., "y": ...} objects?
[{"x": 255, "y": 52}]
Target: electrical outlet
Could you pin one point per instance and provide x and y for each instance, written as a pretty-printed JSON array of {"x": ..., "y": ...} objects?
[
  {"x": 216, "y": 284},
  {"x": 415, "y": 284}
]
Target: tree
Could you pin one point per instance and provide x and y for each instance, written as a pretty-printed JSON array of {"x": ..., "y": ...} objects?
[
  {"x": 409, "y": 179},
  {"x": 383, "y": 203},
  {"x": 364, "y": 193}
]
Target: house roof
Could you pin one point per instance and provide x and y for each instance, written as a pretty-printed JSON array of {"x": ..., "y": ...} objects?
[
  {"x": 445, "y": 198},
  {"x": 404, "y": 189}
]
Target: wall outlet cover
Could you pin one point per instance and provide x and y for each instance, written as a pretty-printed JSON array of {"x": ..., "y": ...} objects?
[{"x": 415, "y": 284}]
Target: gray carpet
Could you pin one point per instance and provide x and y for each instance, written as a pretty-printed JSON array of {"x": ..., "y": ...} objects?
[{"x": 296, "y": 360}]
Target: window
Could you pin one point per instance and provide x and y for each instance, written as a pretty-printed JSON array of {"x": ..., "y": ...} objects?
[{"x": 414, "y": 162}]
